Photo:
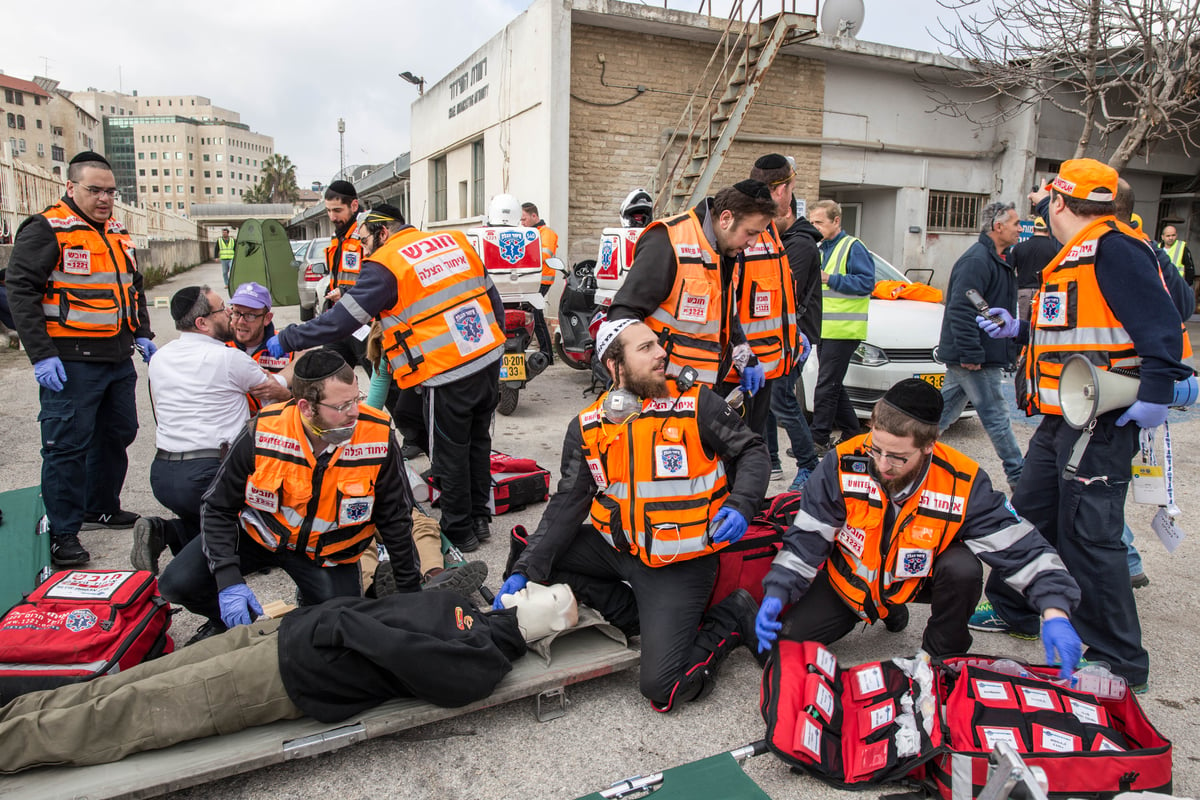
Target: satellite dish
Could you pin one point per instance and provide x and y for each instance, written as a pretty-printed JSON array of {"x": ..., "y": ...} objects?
[{"x": 842, "y": 17}]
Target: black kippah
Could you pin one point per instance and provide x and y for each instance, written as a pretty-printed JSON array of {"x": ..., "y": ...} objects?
[
  {"x": 752, "y": 188},
  {"x": 183, "y": 301},
  {"x": 344, "y": 188},
  {"x": 89, "y": 157},
  {"x": 772, "y": 161},
  {"x": 917, "y": 399},
  {"x": 317, "y": 365}
]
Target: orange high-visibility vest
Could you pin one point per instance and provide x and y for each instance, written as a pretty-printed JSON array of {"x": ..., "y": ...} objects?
[
  {"x": 90, "y": 293},
  {"x": 280, "y": 513},
  {"x": 866, "y": 575},
  {"x": 659, "y": 490},
  {"x": 343, "y": 258},
  {"x": 269, "y": 363},
  {"x": 549, "y": 248},
  {"x": 767, "y": 306},
  {"x": 443, "y": 320}
]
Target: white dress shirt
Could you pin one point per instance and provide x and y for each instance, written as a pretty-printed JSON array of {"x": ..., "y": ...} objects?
[{"x": 199, "y": 387}]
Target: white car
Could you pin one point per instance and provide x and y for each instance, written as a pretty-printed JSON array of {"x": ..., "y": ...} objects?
[
  {"x": 312, "y": 276},
  {"x": 900, "y": 343}
]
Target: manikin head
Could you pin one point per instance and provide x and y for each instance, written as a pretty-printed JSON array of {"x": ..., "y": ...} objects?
[{"x": 543, "y": 610}]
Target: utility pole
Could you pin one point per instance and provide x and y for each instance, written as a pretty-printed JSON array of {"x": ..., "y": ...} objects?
[{"x": 342, "y": 148}]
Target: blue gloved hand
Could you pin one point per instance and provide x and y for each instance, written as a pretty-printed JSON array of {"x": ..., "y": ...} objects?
[
  {"x": 148, "y": 348},
  {"x": 50, "y": 373},
  {"x": 752, "y": 379},
  {"x": 767, "y": 624},
  {"x": 238, "y": 604},
  {"x": 1146, "y": 415},
  {"x": 1058, "y": 635},
  {"x": 1007, "y": 328},
  {"x": 512, "y": 584},
  {"x": 728, "y": 526},
  {"x": 275, "y": 348},
  {"x": 1186, "y": 391},
  {"x": 805, "y": 349}
]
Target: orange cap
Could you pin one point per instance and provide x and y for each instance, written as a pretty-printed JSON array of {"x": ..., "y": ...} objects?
[{"x": 1087, "y": 179}]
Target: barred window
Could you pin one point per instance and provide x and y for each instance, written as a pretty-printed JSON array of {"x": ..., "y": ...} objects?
[{"x": 954, "y": 212}]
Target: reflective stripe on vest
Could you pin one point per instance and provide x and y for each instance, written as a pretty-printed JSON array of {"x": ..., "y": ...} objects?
[
  {"x": 226, "y": 249},
  {"x": 268, "y": 362},
  {"x": 280, "y": 512},
  {"x": 767, "y": 306},
  {"x": 868, "y": 578},
  {"x": 1070, "y": 315},
  {"x": 843, "y": 316},
  {"x": 90, "y": 292},
  {"x": 443, "y": 321},
  {"x": 658, "y": 489},
  {"x": 1175, "y": 253},
  {"x": 693, "y": 320},
  {"x": 343, "y": 258}
]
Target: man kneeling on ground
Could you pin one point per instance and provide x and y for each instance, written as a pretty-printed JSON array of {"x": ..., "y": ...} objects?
[{"x": 893, "y": 516}]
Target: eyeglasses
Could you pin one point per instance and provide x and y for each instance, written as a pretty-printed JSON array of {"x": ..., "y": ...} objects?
[
  {"x": 346, "y": 407},
  {"x": 96, "y": 190},
  {"x": 891, "y": 458},
  {"x": 233, "y": 312},
  {"x": 215, "y": 311}
]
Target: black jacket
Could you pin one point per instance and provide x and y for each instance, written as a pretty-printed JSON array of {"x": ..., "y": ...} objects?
[
  {"x": 1030, "y": 257},
  {"x": 962, "y": 341},
  {"x": 800, "y": 244},
  {"x": 722, "y": 432},
  {"x": 349, "y": 654}
]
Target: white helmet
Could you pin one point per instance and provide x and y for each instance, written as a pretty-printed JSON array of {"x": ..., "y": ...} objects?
[
  {"x": 637, "y": 210},
  {"x": 504, "y": 209}
]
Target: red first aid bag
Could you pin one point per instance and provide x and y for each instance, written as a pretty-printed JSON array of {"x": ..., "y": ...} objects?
[
  {"x": 744, "y": 564},
  {"x": 81, "y": 624}
]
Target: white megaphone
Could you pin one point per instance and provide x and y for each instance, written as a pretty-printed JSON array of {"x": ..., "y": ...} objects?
[{"x": 1085, "y": 392}]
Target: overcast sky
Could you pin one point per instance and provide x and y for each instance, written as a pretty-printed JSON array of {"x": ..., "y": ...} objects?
[{"x": 291, "y": 69}]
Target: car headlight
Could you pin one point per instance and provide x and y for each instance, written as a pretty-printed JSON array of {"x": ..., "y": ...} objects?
[{"x": 869, "y": 355}]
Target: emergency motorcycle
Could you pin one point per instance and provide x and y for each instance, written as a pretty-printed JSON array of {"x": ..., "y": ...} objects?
[
  {"x": 576, "y": 308},
  {"x": 512, "y": 255}
]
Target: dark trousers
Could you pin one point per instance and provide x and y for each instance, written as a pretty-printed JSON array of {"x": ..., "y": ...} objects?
[
  {"x": 460, "y": 448},
  {"x": 409, "y": 416},
  {"x": 187, "y": 580},
  {"x": 85, "y": 430},
  {"x": 755, "y": 408},
  {"x": 786, "y": 411},
  {"x": 831, "y": 404},
  {"x": 541, "y": 330},
  {"x": 180, "y": 485},
  {"x": 665, "y": 603},
  {"x": 952, "y": 592},
  {"x": 353, "y": 352},
  {"x": 1083, "y": 519}
]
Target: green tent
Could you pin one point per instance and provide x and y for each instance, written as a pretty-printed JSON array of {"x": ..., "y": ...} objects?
[{"x": 264, "y": 256}]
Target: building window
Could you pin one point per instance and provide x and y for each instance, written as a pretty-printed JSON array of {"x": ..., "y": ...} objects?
[
  {"x": 206, "y": 156},
  {"x": 20, "y": 122},
  {"x": 208, "y": 190},
  {"x": 208, "y": 173},
  {"x": 220, "y": 174},
  {"x": 220, "y": 190},
  {"x": 154, "y": 189},
  {"x": 8, "y": 95},
  {"x": 41, "y": 150},
  {"x": 39, "y": 124},
  {"x": 12, "y": 120},
  {"x": 477, "y": 177},
  {"x": 153, "y": 155},
  {"x": 439, "y": 188},
  {"x": 141, "y": 173},
  {"x": 954, "y": 212},
  {"x": 154, "y": 173},
  {"x": 141, "y": 156},
  {"x": 167, "y": 188},
  {"x": 57, "y": 154},
  {"x": 179, "y": 189},
  {"x": 22, "y": 143}
]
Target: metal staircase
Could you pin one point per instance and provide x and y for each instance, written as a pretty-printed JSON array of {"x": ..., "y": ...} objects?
[{"x": 718, "y": 106}]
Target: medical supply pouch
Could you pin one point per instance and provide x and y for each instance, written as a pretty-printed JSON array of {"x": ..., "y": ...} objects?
[
  {"x": 850, "y": 727},
  {"x": 80, "y": 624},
  {"x": 516, "y": 483},
  {"x": 744, "y": 563}
]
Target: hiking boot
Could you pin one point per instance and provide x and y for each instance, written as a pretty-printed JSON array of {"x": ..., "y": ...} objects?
[
  {"x": 468, "y": 545},
  {"x": 464, "y": 578},
  {"x": 743, "y": 608},
  {"x": 149, "y": 540},
  {"x": 801, "y": 478},
  {"x": 208, "y": 629},
  {"x": 481, "y": 529},
  {"x": 1140, "y": 580},
  {"x": 66, "y": 551},
  {"x": 116, "y": 519},
  {"x": 897, "y": 618},
  {"x": 985, "y": 618}
]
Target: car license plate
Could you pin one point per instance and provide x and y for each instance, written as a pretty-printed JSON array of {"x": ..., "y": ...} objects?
[
  {"x": 934, "y": 378},
  {"x": 512, "y": 367}
]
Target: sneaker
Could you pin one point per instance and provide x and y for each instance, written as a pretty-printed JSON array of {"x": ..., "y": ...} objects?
[
  {"x": 776, "y": 471},
  {"x": 1140, "y": 688},
  {"x": 117, "y": 519},
  {"x": 1140, "y": 580},
  {"x": 149, "y": 541},
  {"x": 463, "y": 578},
  {"x": 801, "y": 478},
  {"x": 66, "y": 551},
  {"x": 467, "y": 545},
  {"x": 481, "y": 529},
  {"x": 985, "y": 618},
  {"x": 205, "y": 631}
]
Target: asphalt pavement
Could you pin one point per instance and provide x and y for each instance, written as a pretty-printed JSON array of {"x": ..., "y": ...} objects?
[{"x": 609, "y": 731}]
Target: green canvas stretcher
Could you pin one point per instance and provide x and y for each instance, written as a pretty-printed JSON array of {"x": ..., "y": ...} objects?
[{"x": 718, "y": 776}]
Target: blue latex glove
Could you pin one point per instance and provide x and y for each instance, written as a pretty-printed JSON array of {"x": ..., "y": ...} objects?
[
  {"x": 1146, "y": 415},
  {"x": 1058, "y": 635},
  {"x": 767, "y": 624},
  {"x": 238, "y": 604},
  {"x": 728, "y": 526},
  {"x": 275, "y": 348},
  {"x": 50, "y": 373},
  {"x": 1186, "y": 391},
  {"x": 1006, "y": 329},
  {"x": 805, "y": 349},
  {"x": 513, "y": 584},
  {"x": 147, "y": 347},
  {"x": 752, "y": 379}
]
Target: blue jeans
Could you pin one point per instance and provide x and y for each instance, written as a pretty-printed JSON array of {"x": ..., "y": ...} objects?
[
  {"x": 226, "y": 268},
  {"x": 85, "y": 430},
  {"x": 982, "y": 388},
  {"x": 1132, "y": 557},
  {"x": 786, "y": 411}
]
